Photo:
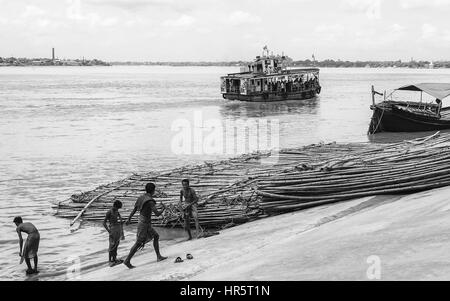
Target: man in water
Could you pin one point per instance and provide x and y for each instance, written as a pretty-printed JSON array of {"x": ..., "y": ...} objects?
[
  {"x": 29, "y": 251},
  {"x": 190, "y": 209},
  {"x": 115, "y": 231},
  {"x": 145, "y": 204}
]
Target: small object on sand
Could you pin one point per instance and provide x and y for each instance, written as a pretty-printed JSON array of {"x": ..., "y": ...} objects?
[
  {"x": 178, "y": 260},
  {"x": 189, "y": 256}
]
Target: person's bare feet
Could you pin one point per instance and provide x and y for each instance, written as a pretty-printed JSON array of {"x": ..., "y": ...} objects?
[
  {"x": 161, "y": 258},
  {"x": 129, "y": 265},
  {"x": 116, "y": 262}
]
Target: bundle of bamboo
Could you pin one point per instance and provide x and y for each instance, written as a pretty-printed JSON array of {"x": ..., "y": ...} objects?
[
  {"x": 223, "y": 188},
  {"x": 399, "y": 168},
  {"x": 251, "y": 186}
]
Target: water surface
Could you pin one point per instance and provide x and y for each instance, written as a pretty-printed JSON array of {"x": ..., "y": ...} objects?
[{"x": 65, "y": 130}]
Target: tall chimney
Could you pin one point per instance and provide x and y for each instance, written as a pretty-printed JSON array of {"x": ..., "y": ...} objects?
[{"x": 53, "y": 54}]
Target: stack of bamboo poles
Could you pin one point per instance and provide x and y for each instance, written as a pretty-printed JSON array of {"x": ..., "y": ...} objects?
[
  {"x": 223, "y": 188},
  {"x": 226, "y": 188},
  {"x": 398, "y": 168},
  {"x": 252, "y": 186}
]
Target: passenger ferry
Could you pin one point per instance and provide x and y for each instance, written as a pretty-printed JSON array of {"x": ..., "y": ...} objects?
[{"x": 268, "y": 78}]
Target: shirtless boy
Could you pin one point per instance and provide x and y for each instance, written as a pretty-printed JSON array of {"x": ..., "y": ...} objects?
[
  {"x": 29, "y": 251},
  {"x": 190, "y": 208},
  {"x": 115, "y": 231}
]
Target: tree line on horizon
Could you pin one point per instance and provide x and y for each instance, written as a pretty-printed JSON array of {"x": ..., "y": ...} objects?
[
  {"x": 13, "y": 61},
  {"x": 329, "y": 63}
]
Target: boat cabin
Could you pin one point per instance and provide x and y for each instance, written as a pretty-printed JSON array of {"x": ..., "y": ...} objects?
[{"x": 430, "y": 100}]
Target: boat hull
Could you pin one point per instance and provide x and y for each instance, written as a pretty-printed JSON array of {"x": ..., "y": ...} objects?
[
  {"x": 392, "y": 119},
  {"x": 271, "y": 97}
]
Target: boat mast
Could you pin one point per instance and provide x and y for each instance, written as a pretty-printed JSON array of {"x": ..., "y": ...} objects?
[{"x": 373, "y": 95}]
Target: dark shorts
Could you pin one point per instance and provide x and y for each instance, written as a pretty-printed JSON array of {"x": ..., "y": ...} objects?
[
  {"x": 31, "y": 245},
  {"x": 114, "y": 238},
  {"x": 191, "y": 211},
  {"x": 145, "y": 233}
]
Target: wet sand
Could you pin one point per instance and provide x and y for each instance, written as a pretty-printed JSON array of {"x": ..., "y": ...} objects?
[{"x": 406, "y": 235}]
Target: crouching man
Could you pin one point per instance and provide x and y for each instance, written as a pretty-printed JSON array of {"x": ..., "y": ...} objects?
[{"x": 30, "y": 250}]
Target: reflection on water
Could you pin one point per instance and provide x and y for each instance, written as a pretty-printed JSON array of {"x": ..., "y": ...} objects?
[{"x": 239, "y": 109}]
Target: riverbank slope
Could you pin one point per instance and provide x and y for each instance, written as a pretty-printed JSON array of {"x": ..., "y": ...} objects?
[{"x": 407, "y": 234}]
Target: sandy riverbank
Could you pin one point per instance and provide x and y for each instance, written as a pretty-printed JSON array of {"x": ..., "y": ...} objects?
[{"x": 409, "y": 234}]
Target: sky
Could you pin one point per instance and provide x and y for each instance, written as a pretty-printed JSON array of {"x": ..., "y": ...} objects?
[{"x": 225, "y": 30}]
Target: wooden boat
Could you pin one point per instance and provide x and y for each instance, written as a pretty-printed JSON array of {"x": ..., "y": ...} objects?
[
  {"x": 269, "y": 79},
  {"x": 392, "y": 115}
]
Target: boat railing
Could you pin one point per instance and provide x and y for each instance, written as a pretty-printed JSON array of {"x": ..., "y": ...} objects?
[
  {"x": 236, "y": 90},
  {"x": 304, "y": 89}
]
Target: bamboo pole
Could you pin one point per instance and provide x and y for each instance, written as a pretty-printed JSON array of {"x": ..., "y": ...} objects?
[{"x": 303, "y": 177}]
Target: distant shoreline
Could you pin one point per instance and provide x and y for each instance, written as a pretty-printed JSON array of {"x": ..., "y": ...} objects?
[
  {"x": 306, "y": 63},
  {"x": 24, "y": 62},
  {"x": 39, "y": 62},
  {"x": 176, "y": 65}
]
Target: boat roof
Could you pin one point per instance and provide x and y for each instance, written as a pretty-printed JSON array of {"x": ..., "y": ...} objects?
[
  {"x": 438, "y": 90},
  {"x": 284, "y": 72}
]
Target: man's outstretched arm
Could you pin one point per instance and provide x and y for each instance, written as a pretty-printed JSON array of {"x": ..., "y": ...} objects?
[
  {"x": 155, "y": 211},
  {"x": 131, "y": 215},
  {"x": 194, "y": 196},
  {"x": 105, "y": 220},
  {"x": 20, "y": 241}
]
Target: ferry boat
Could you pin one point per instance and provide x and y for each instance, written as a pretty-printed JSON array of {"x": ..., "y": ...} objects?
[
  {"x": 393, "y": 115},
  {"x": 268, "y": 78}
]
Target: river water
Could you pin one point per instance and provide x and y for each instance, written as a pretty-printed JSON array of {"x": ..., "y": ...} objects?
[{"x": 65, "y": 130}]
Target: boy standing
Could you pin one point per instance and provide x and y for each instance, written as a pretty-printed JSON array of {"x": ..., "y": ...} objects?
[
  {"x": 115, "y": 231},
  {"x": 190, "y": 209}
]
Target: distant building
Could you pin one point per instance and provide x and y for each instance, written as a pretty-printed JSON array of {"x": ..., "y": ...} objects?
[{"x": 37, "y": 62}]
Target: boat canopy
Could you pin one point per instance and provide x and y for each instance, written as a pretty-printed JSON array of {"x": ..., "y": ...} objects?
[
  {"x": 438, "y": 90},
  {"x": 287, "y": 72}
]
